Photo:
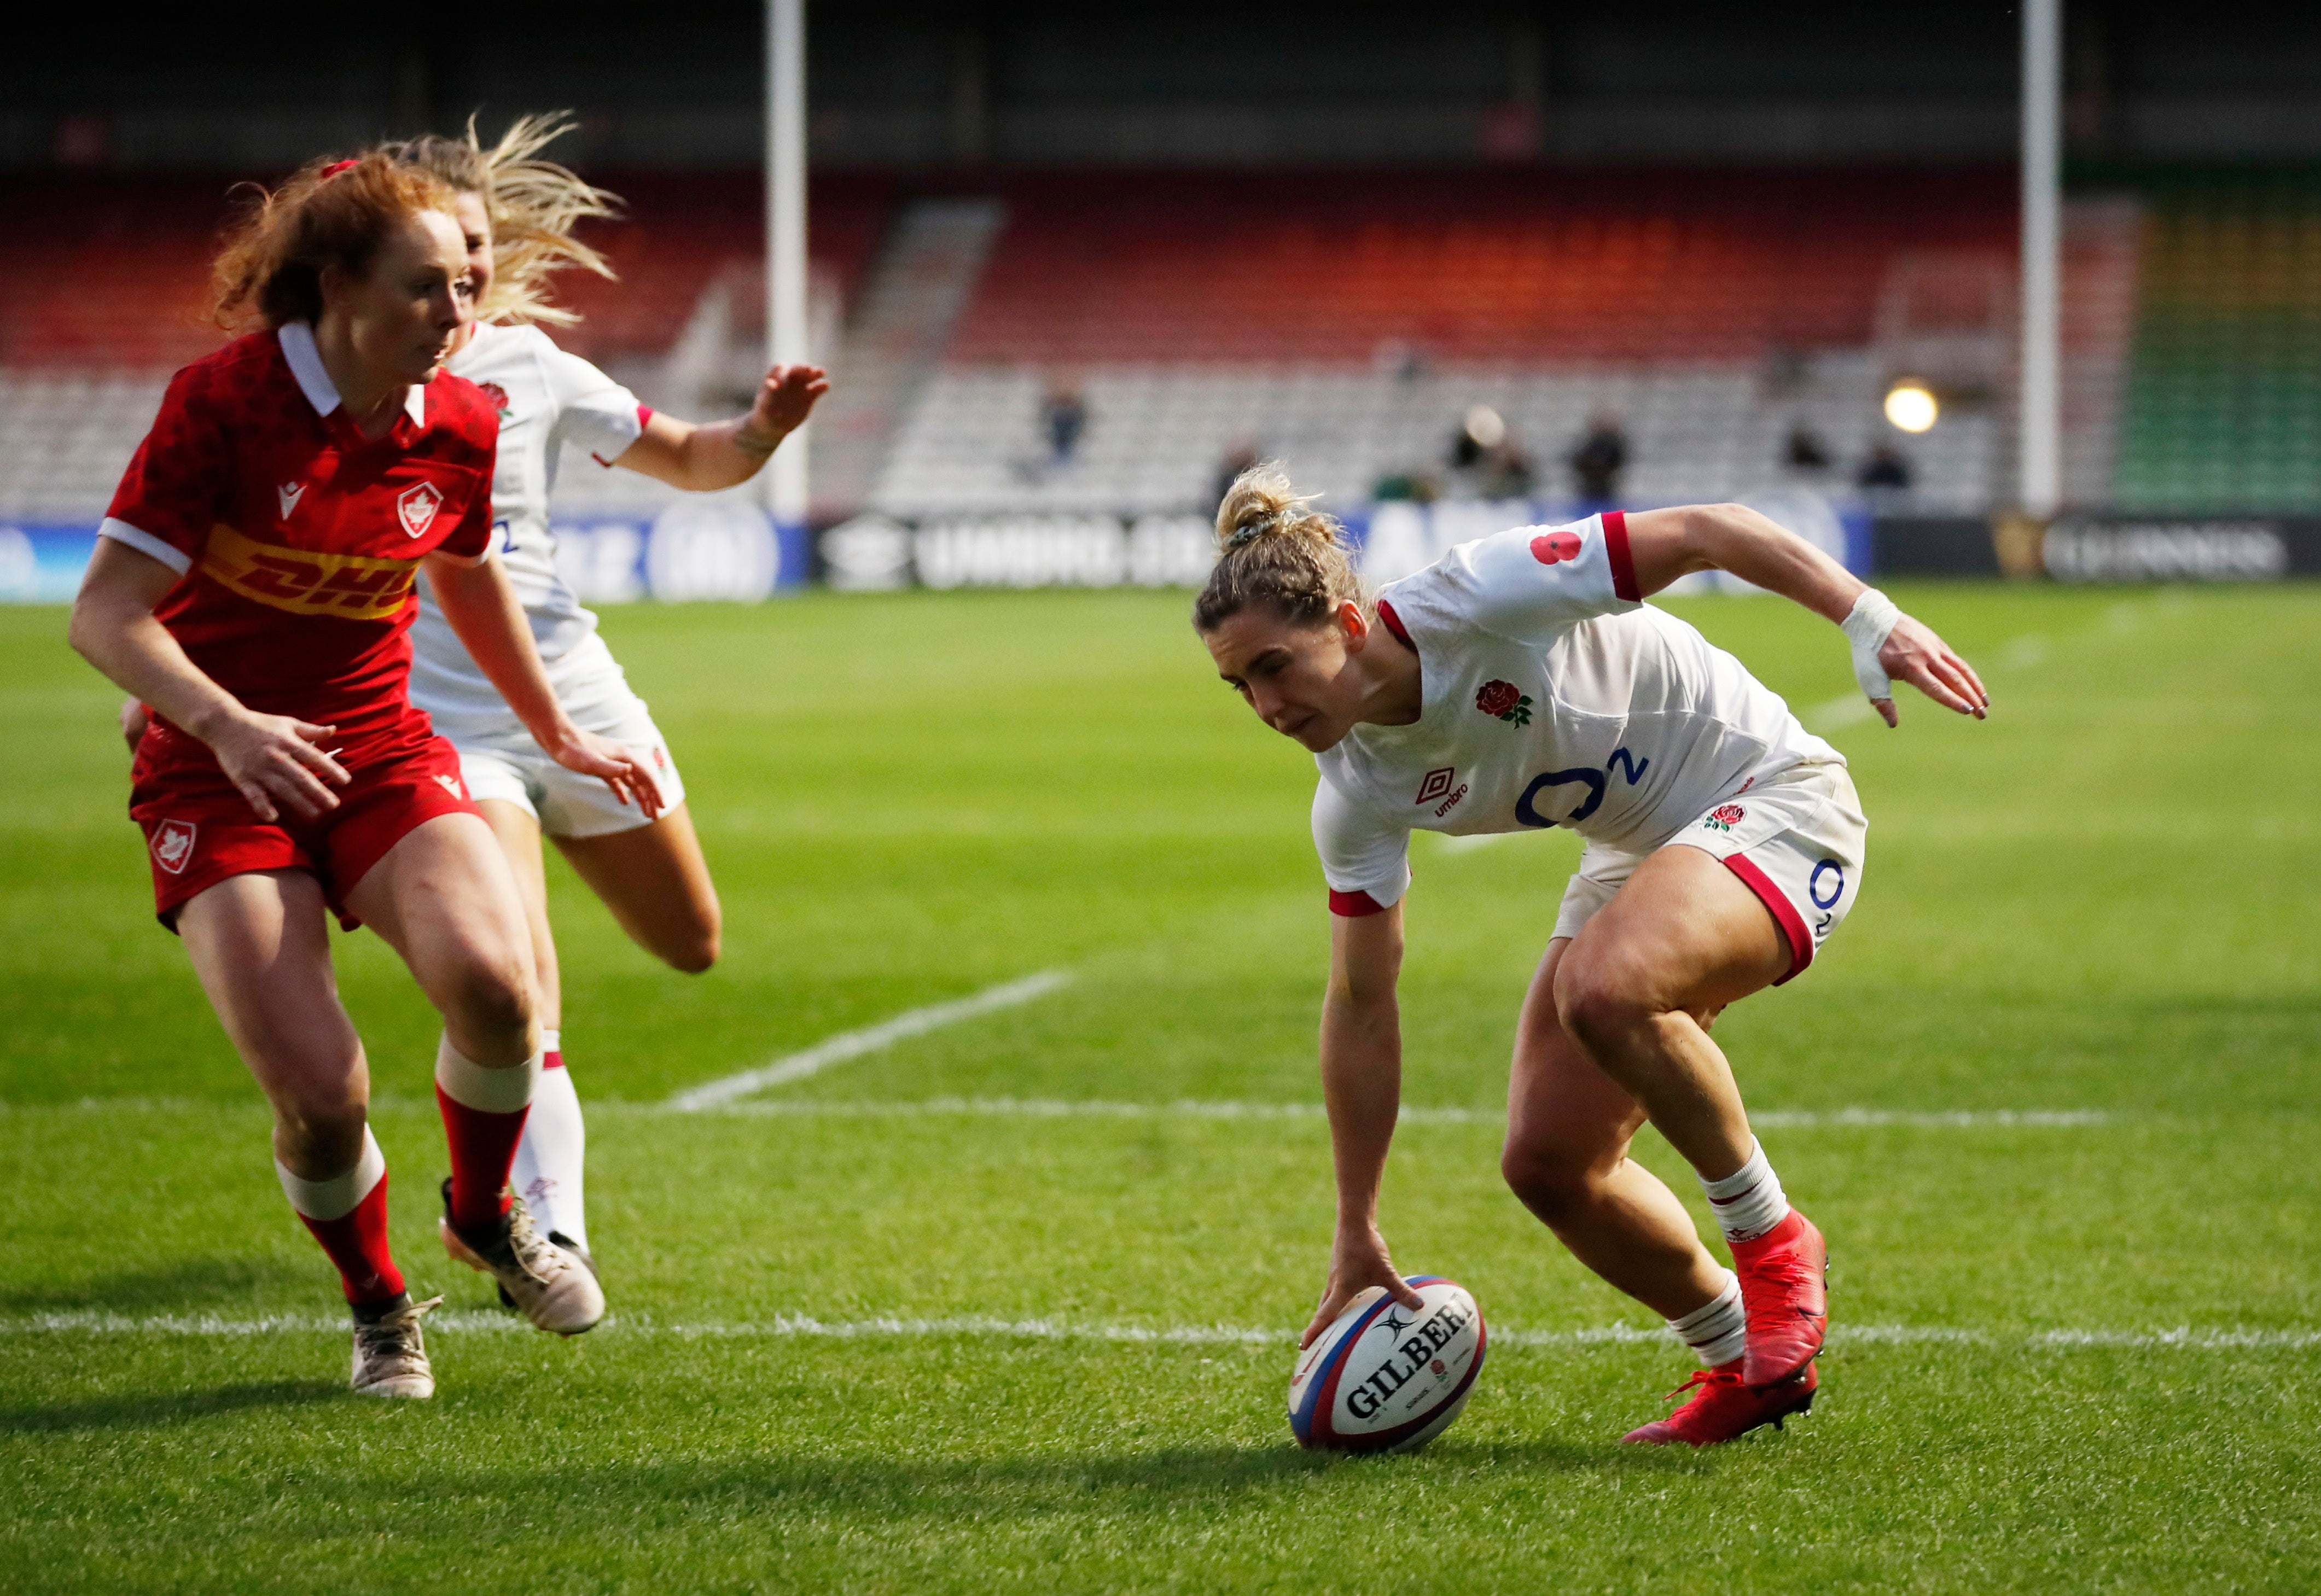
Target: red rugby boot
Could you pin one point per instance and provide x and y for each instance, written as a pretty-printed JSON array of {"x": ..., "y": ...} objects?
[
  {"x": 1726, "y": 1407},
  {"x": 1784, "y": 1290}
]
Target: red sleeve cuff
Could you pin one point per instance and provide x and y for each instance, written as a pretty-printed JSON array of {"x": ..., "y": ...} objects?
[
  {"x": 644, "y": 416},
  {"x": 1354, "y": 905},
  {"x": 1616, "y": 546}
]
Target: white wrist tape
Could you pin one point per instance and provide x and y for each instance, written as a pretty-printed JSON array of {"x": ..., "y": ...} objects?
[{"x": 1866, "y": 626}]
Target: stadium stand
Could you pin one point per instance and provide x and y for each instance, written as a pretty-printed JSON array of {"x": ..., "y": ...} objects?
[
  {"x": 1346, "y": 320},
  {"x": 107, "y": 295},
  {"x": 1343, "y": 320},
  {"x": 2223, "y": 402}
]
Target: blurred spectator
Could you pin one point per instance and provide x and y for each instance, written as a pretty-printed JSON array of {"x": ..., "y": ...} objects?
[
  {"x": 1063, "y": 417},
  {"x": 1480, "y": 432},
  {"x": 1484, "y": 461},
  {"x": 1806, "y": 451},
  {"x": 1237, "y": 460},
  {"x": 1417, "y": 487},
  {"x": 1884, "y": 470},
  {"x": 1601, "y": 457}
]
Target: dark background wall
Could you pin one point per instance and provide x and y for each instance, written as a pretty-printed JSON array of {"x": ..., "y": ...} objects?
[{"x": 916, "y": 83}]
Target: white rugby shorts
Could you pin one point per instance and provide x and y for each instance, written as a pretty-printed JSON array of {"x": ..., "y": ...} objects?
[
  {"x": 1795, "y": 841},
  {"x": 503, "y": 762}
]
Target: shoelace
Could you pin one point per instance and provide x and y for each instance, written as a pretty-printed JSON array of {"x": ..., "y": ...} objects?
[
  {"x": 539, "y": 1257},
  {"x": 396, "y": 1329},
  {"x": 1700, "y": 1378}
]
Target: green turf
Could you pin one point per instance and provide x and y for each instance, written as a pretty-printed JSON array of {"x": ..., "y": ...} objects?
[{"x": 2099, "y": 901}]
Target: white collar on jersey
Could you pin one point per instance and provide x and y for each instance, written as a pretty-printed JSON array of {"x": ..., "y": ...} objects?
[{"x": 306, "y": 365}]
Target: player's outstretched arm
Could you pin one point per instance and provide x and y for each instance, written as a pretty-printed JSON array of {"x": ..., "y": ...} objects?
[
  {"x": 274, "y": 761},
  {"x": 1361, "y": 1082},
  {"x": 720, "y": 454},
  {"x": 1666, "y": 544},
  {"x": 481, "y": 604}
]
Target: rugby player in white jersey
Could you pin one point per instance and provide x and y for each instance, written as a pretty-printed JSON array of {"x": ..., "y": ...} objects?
[
  {"x": 517, "y": 211},
  {"x": 1518, "y": 683}
]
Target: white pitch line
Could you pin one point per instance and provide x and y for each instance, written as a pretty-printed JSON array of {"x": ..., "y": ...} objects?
[
  {"x": 987, "y": 1328},
  {"x": 1056, "y": 1107},
  {"x": 853, "y": 1044}
]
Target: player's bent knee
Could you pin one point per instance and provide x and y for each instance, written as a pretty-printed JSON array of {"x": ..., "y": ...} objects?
[
  {"x": 1596, "y": 1003},
  {"x": 1549, "y": 1181},
  {"x": 493, "y": 995}
]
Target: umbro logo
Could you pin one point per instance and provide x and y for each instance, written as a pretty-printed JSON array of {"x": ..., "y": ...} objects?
[
  {"x": 289, "y": 493},
  {"x": 450, "y": 783}
]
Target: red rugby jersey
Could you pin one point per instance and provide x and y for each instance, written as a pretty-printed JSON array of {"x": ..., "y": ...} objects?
[{"x": 299, "y": 539}]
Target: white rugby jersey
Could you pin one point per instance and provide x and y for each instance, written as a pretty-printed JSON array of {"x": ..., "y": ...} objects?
[
  {"x": 1551, "y": 696},
  {"x": 547, "y": 398}
]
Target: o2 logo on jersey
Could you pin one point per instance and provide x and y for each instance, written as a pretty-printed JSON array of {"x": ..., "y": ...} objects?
[
  {"x": 416, "y": 507},
  {"x": 173, "y": 845},
  {"x": 1596, "y": 781},
  {"x": 1551, "y": 549}
]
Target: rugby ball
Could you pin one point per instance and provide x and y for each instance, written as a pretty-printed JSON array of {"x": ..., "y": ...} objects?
[{"x": 1386, "y": 1378}]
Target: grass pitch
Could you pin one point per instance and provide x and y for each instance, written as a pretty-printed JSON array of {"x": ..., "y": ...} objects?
[{"x": 1046, "y": 1247}]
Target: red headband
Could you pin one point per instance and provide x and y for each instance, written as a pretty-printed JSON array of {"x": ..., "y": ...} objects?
[{"x": 334, "y": 169}]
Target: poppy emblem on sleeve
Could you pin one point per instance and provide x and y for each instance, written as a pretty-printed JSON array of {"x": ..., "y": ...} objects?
[
  {"x": 416, "y": 505},
  {"x": 1506, "y": 700},
  {"x": 1725, "y": 817},
  {"x": 1554, "y": 547}
]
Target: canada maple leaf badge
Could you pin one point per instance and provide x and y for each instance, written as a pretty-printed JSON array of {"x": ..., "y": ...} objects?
[{"x": 1504, "y": 701}]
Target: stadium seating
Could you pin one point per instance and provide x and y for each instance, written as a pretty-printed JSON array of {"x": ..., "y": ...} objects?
[
  {"x": 2224, "y": 404},
  {"x": 1518, "y": 267},
  {"x": 1346, "y": 320},
  {"x": 109, "y": 294}
]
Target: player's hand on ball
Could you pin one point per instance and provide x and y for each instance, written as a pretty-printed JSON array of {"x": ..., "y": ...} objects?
[
  {"x": 1358, "y": 1261},
  {"x": 1911, "y": 653},
  {"x": 275, "y": 761},
  {"x": 785, "y": 398},
  {"x": 617, "y": 765}
]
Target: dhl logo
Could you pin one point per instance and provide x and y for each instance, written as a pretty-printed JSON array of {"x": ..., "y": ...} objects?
[{"x": 351, "y": 586}]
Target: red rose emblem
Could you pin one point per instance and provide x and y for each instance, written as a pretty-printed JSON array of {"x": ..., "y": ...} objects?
[
  {"x": 1496, "y": 698},
  {"x": 497, "y": 396},
  {"x": 1730, "y": 813},
  {"x": 1554, "y": 547}
]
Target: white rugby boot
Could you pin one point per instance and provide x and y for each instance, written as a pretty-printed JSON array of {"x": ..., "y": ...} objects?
[
  {"x": 547, "y": 1283},
  {"x": 390, "y": 1356}
]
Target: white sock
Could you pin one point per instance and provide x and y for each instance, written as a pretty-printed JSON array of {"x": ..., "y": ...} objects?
[
  {"x": 337, "y": 1197},
  {"x": 1749, "y": 1202},
  {"x": 548, "y": 1161},
  {"x": 1717, "y": 1331},
  {"x": 486, "y": 1090}
]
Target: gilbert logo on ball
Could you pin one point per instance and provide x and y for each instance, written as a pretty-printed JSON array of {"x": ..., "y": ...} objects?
[{"x": 1386, "y": 1378}]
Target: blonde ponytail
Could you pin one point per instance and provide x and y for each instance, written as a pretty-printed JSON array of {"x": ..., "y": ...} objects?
[
  {"x": 1274, "y": 548},
  {"x": 534, "y": 206}
]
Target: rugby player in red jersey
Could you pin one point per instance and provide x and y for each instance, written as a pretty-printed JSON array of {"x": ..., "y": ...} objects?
[{"x": 253, "y": 585}]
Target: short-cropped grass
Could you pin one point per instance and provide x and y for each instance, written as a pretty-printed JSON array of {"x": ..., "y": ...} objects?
[{"x": 1009, "y": 1305}]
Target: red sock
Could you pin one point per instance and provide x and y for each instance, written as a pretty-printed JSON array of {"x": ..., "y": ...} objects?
[
  {"x": 356, "y": 1233},
  {"x": 483, "y": 1150},
  {"x": 357, "y": 1243}
]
